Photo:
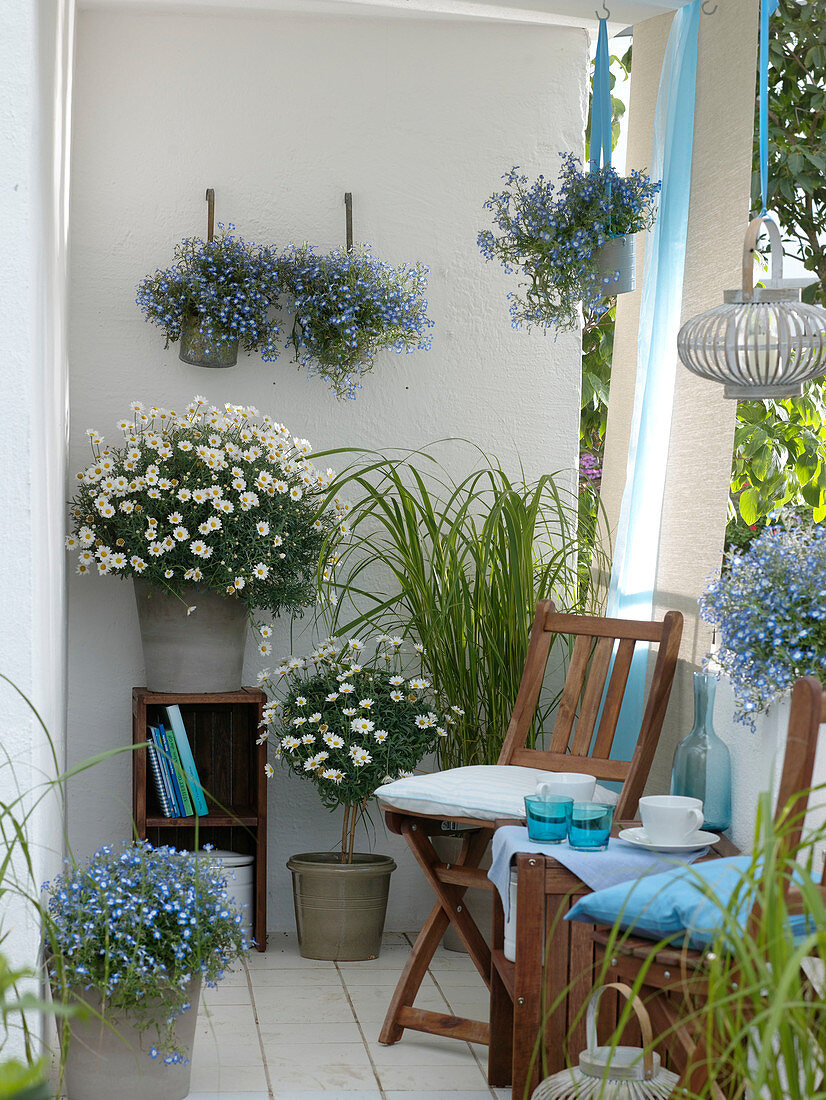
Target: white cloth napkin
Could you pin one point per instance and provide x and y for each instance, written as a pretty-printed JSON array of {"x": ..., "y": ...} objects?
[{"x": 618, "y": 863}]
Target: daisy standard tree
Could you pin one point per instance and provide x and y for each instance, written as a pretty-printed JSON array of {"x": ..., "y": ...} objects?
[{"x": 349, "y": 718}]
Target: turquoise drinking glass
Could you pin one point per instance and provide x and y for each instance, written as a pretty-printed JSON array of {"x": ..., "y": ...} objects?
[
  {"x": 548, "y": 818},
  {"x": 590, "y": 826}
]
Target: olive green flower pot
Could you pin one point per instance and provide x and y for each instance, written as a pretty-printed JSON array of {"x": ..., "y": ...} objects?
[{"x": 340, "y": 907}]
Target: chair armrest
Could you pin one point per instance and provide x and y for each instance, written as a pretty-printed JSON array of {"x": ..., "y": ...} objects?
[{"x": 794, "y": 899}]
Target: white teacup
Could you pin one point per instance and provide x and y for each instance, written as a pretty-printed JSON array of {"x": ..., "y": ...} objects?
[
  {"x": 670, "y": 818},
  {"x": 573, "y": 785}
]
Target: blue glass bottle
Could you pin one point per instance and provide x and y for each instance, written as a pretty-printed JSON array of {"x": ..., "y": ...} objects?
[{"x": 702, "y": 764}]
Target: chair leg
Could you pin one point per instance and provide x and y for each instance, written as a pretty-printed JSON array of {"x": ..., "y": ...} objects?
[
  {"x": 413, "y": 974},
  {"x": 500, "y": 1049},
  {"x": 447, "y": 910}
]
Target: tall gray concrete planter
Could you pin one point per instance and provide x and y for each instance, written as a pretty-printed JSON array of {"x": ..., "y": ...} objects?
[
  {"x": 197, "y": 651},
  {"x": 340, "y": 907},
  {"x": 113, "y": 1059}
]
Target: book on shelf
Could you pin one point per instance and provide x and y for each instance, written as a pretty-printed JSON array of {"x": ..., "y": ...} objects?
[
  {"x": 187, "y": 760},
  {"x": 181, "y": 787},
  {"x": 164, "y": 768},
  {"x": 157, "y": 776}
]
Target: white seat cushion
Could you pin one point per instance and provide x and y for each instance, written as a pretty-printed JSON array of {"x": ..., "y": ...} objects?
[{"x": 484, "y": 791}]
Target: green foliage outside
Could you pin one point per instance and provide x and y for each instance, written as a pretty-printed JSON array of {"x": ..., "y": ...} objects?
[{"x": 780, "y": 446}]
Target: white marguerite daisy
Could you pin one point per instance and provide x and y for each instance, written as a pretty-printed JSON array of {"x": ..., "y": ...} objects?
[{"x": 362, "y": 725}]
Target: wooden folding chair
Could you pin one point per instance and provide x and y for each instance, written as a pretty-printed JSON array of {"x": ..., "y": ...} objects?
[
  {"x": 674, "y": 978},
  {"x": 581, "y": 740}
]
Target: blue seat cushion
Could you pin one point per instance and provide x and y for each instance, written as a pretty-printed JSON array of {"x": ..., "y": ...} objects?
[{"x": 684, "y": 904}]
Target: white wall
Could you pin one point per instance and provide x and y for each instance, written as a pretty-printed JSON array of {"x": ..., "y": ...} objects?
[
  {"x": 281, "y": 114},
  {"x": 35, "y": 52}
]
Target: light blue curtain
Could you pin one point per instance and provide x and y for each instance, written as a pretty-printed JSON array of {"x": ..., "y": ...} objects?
[{"x": 637, "y": 541}]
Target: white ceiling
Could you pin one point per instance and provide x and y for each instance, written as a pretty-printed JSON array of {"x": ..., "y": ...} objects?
[{"x": 577, "y": 13}]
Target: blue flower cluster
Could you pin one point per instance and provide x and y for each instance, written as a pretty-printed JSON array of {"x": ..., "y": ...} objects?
[
  {"x": 226, "y": 285},
  {"x": 769, "y": 607},
  {"x": 347, "y": 305},
  {"x": 136, "y": 925},
  {"x": 551, "y": 235}
]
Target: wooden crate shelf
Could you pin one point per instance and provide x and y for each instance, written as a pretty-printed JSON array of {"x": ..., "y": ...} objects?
[{"x": 222, "y": 728}]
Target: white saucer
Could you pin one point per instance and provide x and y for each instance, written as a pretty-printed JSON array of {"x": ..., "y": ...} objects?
[{"x": 639, "y": 838}]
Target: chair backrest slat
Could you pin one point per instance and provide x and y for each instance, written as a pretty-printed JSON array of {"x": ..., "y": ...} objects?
[
  {"x": 616, "y": 770},
  {"x": 571, "y": 692},
  {"x": 592, "y": 697},
  {"x": 582, "y": 737},
  {"x": 530, "y": 685},
  {"x": 613, "y": 698},
  {"x": 807, "y": 712}
]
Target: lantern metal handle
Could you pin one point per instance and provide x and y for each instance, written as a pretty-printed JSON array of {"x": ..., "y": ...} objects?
[
  {"x": 641, "y": 1014},
  {"x": 756, "y": 225}
]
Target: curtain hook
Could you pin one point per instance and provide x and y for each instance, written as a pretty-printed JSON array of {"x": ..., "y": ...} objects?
[
  {"x": 704, "y": 9},
  {"x": 607, "y": 12}
]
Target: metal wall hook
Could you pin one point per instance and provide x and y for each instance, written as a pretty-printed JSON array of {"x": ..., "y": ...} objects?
[
  {"x": 708, "y": 11},
  {"x": 348, "y": 219},
  {"x": 210, "y": 201},
  {"x": 607, "y": 12}
]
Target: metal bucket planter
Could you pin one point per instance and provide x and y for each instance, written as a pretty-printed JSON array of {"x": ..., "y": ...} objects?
[
  {"x": 200, "y": 351},
  {"x": 340, "y": 907},
  {"x": 202, "y": 651},
  {"x": 617, "y": 265},
  {"x": 113, "y": 1058}
]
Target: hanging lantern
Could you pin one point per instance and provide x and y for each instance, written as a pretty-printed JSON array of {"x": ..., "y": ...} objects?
[{"x": 763, "y": 342}]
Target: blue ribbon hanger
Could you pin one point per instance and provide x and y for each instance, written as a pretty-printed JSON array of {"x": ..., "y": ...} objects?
[
  {"x": 601, "y": 103},
  {"x": 767, "y": 8}
]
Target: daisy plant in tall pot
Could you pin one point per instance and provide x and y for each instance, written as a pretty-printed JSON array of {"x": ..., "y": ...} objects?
[
  {"x": 347, "y": 718},
  {"x": 215, "y": 513}
]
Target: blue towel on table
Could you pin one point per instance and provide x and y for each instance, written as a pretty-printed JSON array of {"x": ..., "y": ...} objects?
[{"x": 618, "y": 863}]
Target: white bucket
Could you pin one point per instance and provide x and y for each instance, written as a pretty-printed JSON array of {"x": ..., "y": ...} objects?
[
  {"x": 237, "y": 869},
  {"x": 510, "y": 923}
]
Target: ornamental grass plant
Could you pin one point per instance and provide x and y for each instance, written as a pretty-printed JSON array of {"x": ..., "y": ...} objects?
[
  {"x": 348, "y": 718},
  {"x": 769, "y": 609},
  {"x": 346, "y": 306},
  {"x": 549, "y": 234},
  {"x": 137, "y": 925},
  {"x": 225, "y": 499},
  {"x": 464, "y": 564},
  {"x": 228, "y": 286}
]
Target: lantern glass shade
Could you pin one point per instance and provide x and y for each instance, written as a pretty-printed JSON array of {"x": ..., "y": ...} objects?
[{"x": 762, "y": 342}]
